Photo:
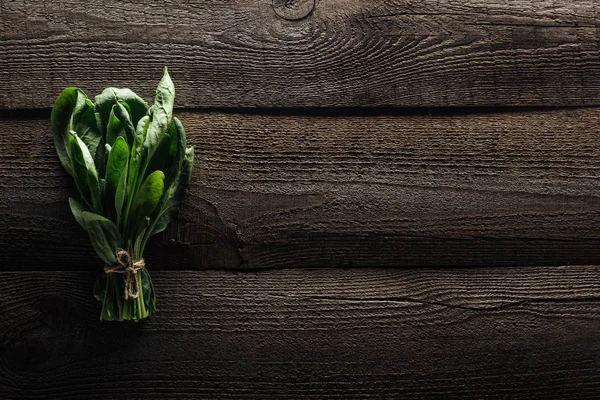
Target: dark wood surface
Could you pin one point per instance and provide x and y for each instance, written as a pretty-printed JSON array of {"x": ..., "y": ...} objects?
[
  {"x": 298, "y": 166},
  {"x": 289, "y": 190},
  {"x": 260, "y": 53},
  {"x": 475, "y": 333}
]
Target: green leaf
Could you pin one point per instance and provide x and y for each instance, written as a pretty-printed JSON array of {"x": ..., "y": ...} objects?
[
  {"x": 186, "y": 168},
  {"x": 80, "y": 174},
  {"x": 120, "y": 196},
  {"x": 86, "y": 127},
  {"x": 124, "y": 104},
  {"x": 61, "y": 123},
  {"x": 175, "y": 135},
  {"x": 176, "y": 190},
  {"x": 112, "y": 303},
  {"x": 104, "y": 236},
  {"x": 176, "y": 152},
  {"x": 161, "y": 113},
  {"x": 148, "y": 197},
  {"x": 105, "y": 101},
  {"x": 175, "y": 195},
  {"x": 161, "y": 155},
  {"x": 119, "y": 124},
  {"x": 137, "y": 150},
  {"x": 135, "y": 166},
  {"x": 118, "y": 160},
  {"x": 169, "y": 212},
  {"x": 77, "y": 209},
  {"x": 148, "y": 290},
  {"x": 84, "y": 172},
  {"x": 140, "y": 236}
]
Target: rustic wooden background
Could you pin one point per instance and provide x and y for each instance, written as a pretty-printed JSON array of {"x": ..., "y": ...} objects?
[{"x": 391, "y": 199}]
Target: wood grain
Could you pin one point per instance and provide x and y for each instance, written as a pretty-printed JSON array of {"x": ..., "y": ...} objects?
[
  {"x": 243, "y": 53},
  {"x": 348, "y": 334},
  {"x": 285, "y": 190}
]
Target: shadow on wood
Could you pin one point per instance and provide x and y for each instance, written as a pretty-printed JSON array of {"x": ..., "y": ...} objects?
[{"x": 466, "y": 333}]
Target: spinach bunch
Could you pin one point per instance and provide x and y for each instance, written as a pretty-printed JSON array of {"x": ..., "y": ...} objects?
[{"x": 132, "y": 167}]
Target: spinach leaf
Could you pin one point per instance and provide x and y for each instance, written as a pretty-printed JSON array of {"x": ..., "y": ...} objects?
[
  {"x": 119, "y": 124},
  {"x": 105, "y": 101},
  {"x": 176, "y": 152},
  {"x": 121, "y": 196},
  {"x": 61, "y": 123},
  {"x": 137, "y": 151},
  {"x": 118, "y": 161},
  {"x": 104, "y": 235},
  {"x": 148, "y": 197},
  {"x": 161, "y": 113},
  {"x": 161, "y": 155},
  {"x": 149, "y": 294},
  {"x": 85, "y": 174},
  {"x": 139, "y": 240},
  {"x": 175, "y": 195},
  {"x": 86, "y": 125},
  {"x": 77, "y": 209}
]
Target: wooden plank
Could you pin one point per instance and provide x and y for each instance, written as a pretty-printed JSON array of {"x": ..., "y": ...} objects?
[
  {"x": 269, "y": 191},
  {"x": 243, "y": 53},
  {"x": 330, "y": 333}
]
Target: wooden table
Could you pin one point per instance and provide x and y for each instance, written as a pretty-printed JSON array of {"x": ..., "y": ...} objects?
[{"x": 391, "y": 199}]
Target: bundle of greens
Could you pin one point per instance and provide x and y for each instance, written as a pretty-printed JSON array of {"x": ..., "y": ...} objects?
[{"x": 131, "y": 166}]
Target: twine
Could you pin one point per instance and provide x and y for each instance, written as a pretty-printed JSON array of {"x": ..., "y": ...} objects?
[{"x": 126, "y": 266}]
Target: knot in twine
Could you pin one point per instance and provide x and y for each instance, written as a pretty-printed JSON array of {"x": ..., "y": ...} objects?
[{"x": 126, "y": 266}]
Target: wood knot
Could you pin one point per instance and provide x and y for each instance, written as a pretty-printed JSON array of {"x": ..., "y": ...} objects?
[{"x": 293, "y": 10}]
